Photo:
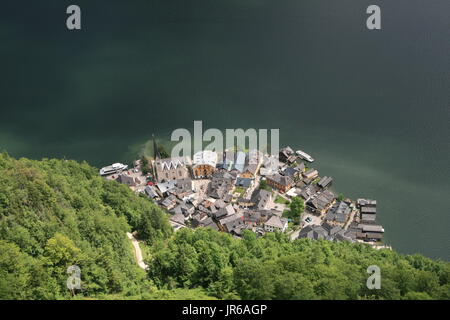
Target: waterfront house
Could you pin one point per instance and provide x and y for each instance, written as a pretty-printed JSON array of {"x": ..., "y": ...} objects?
[
  {"x": 309, "y": 191},
  {"x": 311, "y": 174},
  {"x": 322, "y": 202},
  {"x": 287, "y": 155},
  {"x": 367, "y": 209},
  {"x": 368, "y": 213},
  {"x": 338, "y": 213},
  {"x": 325, "y": 182},
  {"x": 369, "y": 232},
  {"x": 366, "y": 203}
]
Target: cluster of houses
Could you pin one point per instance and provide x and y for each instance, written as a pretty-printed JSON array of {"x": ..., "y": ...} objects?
[
  {"x": 224, "y": 192},
  {"x": 218, "y": 191}
]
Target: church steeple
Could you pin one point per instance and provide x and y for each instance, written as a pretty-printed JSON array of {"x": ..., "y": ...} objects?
[{"x": 156, "y": 154}]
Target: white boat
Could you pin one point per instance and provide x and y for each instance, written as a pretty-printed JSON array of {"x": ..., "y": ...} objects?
[
  {"x": 114, "y": 168},
  {"x": 304, "y": 156}
]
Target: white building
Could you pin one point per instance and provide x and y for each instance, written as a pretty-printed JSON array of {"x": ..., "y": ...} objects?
[{"x": 276, "y": 223}]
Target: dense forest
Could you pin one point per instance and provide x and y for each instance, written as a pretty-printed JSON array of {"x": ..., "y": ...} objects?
[{"x": 58, "y": 213}]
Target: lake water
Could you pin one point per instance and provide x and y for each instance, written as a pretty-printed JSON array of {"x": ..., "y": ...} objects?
[{"x": 371, "y": 106}]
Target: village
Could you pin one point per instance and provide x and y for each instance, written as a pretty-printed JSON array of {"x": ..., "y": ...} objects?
[{"x": 235, "y": 191}]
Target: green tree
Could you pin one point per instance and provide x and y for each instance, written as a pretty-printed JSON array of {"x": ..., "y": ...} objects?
[
  {"x": 297, "y": 206},
  {"x": 264, "y": 186}
]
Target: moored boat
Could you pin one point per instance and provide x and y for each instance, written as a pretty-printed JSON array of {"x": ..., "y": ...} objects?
[
  {"x": 114, "y": 168},
  {"x": 304, "y": 156}
]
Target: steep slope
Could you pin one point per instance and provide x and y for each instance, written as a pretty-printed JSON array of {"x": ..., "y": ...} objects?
[{"x": 57, "y": 213}]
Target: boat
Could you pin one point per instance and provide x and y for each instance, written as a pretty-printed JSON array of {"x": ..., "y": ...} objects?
[
  {"x": 304, "y": 156},
  {"x": 114, "y": 168}
]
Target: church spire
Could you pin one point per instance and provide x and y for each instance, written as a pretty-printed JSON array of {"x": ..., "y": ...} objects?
[{"x": 156, "y": 154}]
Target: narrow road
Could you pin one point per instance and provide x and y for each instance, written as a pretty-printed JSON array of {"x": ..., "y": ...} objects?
[{"x": 137, "y": 251}]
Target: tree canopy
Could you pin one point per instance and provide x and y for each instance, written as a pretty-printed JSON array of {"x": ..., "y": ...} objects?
[
  {"x": 273, "y": 267},
  {"x": 58, "y": 213}
]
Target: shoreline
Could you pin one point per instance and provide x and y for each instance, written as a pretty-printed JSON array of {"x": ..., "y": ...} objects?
[{"x": 175, "y": 187}]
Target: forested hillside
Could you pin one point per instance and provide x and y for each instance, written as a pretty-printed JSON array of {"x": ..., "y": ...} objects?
[
  {"x": 58, "y": 213},
  {"x": 272, "y": 267}
]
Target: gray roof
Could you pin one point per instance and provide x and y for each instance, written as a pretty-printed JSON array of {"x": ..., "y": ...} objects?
[
  {"x": 243, "y": 182},
  {"x": 322, "y": 201},
  {"x": 221, "y": 183},
  {"x": 283, "y": 180},
  {"x": 125, "y": 179},
  {"x": 339, "y": 212},
  {"x": 276, "y": 222},
  {"x": 290, "y": 172},
  {"x": 310, "y": 173},
  {"x": 314, "y": 232},
  {"x": 370, "y": 210},
  {"x": 150, "y": 191},
  {"x": 178, "y": 217},
  {"x": 366, "y": 202},
  {"x": 261, "y": 198},
  {"x": 326, "y": 232},
  {"x": 371, "y": 228},
  {"x": 325, "y": 182},
  {"x": 332, "y": 230},
  {"x": 166, "y": 186},
  {"x": 368, "y": 217},
  {"x": 184, "y": 185}
]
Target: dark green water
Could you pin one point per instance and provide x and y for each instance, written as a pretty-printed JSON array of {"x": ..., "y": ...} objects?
[{"x": 372, "y": 107}]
